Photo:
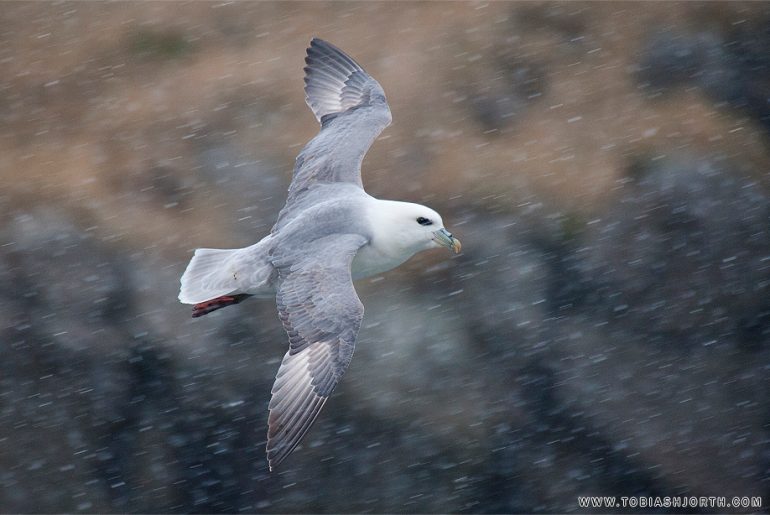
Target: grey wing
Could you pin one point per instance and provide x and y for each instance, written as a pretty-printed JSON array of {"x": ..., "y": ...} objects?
[
  {"x": 321, "y": 314},
  {"x": 352, "y": 110}
]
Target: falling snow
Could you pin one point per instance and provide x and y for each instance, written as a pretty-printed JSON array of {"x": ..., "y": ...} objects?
[{"x": 606, "y": 330}]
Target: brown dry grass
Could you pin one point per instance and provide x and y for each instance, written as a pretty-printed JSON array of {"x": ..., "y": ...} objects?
[{"x": 87, "y": 116}]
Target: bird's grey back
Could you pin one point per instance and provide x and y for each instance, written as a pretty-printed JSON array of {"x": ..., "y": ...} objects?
[{"x": 327, "y": 210}]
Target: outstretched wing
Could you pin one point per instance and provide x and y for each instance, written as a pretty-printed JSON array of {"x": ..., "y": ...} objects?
[
  {"x": 321, "y": 313},
  {"x": 352, "y": 110}
]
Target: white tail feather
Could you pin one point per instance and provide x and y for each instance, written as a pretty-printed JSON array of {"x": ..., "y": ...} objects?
[{"x": 208, "y": 276}]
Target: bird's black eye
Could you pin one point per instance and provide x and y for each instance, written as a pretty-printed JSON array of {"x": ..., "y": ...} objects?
[{"x": 424, "y": 221}]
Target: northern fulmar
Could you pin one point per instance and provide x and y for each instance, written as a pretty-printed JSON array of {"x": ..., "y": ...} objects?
[{"x": 329, "y": 233}]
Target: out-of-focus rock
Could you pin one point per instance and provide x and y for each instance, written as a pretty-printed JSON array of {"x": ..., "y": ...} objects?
[
  {"x": 666, "y": 356},
  {"x": 731, "y": 65},
  {"x": 683, "y": 253}
]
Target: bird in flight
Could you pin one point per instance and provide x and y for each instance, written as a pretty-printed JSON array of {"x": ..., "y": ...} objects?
[{"x": 329, "y": 233}]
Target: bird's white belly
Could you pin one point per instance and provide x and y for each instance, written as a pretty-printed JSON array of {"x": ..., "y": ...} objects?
[{"x": 371, "y": 261}]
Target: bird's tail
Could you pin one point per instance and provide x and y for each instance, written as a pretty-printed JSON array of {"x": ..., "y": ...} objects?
[{"x": 208, "y": 276}]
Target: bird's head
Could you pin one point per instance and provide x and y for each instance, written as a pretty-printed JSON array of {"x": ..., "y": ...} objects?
[{"x": 418, "y": 227}]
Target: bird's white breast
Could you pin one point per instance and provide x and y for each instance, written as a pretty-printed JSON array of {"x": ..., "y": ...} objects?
[{"x": 372, "y": 260}]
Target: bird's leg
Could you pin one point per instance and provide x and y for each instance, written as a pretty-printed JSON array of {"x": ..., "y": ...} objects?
[{"x": 204, "y": 308}]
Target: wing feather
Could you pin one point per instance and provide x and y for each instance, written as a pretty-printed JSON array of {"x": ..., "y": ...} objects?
[
  {"x": 321, "y": 314},
  {"x": 352, "y": 110}
]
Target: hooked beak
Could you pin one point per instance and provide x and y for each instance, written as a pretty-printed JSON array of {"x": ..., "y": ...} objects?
[{"x": 445, "y": 239}]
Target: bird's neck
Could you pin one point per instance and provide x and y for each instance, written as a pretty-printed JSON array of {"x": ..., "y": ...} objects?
[
  {"x": 386, "y": 222},
  {"x": 388, "y": 247}
]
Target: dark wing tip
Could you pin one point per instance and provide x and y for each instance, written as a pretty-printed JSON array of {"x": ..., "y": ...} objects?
[
  {"x": 334, "y": 81},
  {"x": 323, "y": 46},
  {"x": 283, "y": 439},
  {"x": 304, "y": 382},
  {"x": 323, "y": 54}
]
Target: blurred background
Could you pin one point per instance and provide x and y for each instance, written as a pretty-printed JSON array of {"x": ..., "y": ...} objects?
[{"x": 606, "y": 330}]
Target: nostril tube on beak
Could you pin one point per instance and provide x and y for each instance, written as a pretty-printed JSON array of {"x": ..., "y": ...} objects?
[{"x": 446, "y": 239}]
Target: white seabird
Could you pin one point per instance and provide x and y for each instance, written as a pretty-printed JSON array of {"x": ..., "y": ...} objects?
[{"x": 329, "y": 233}]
